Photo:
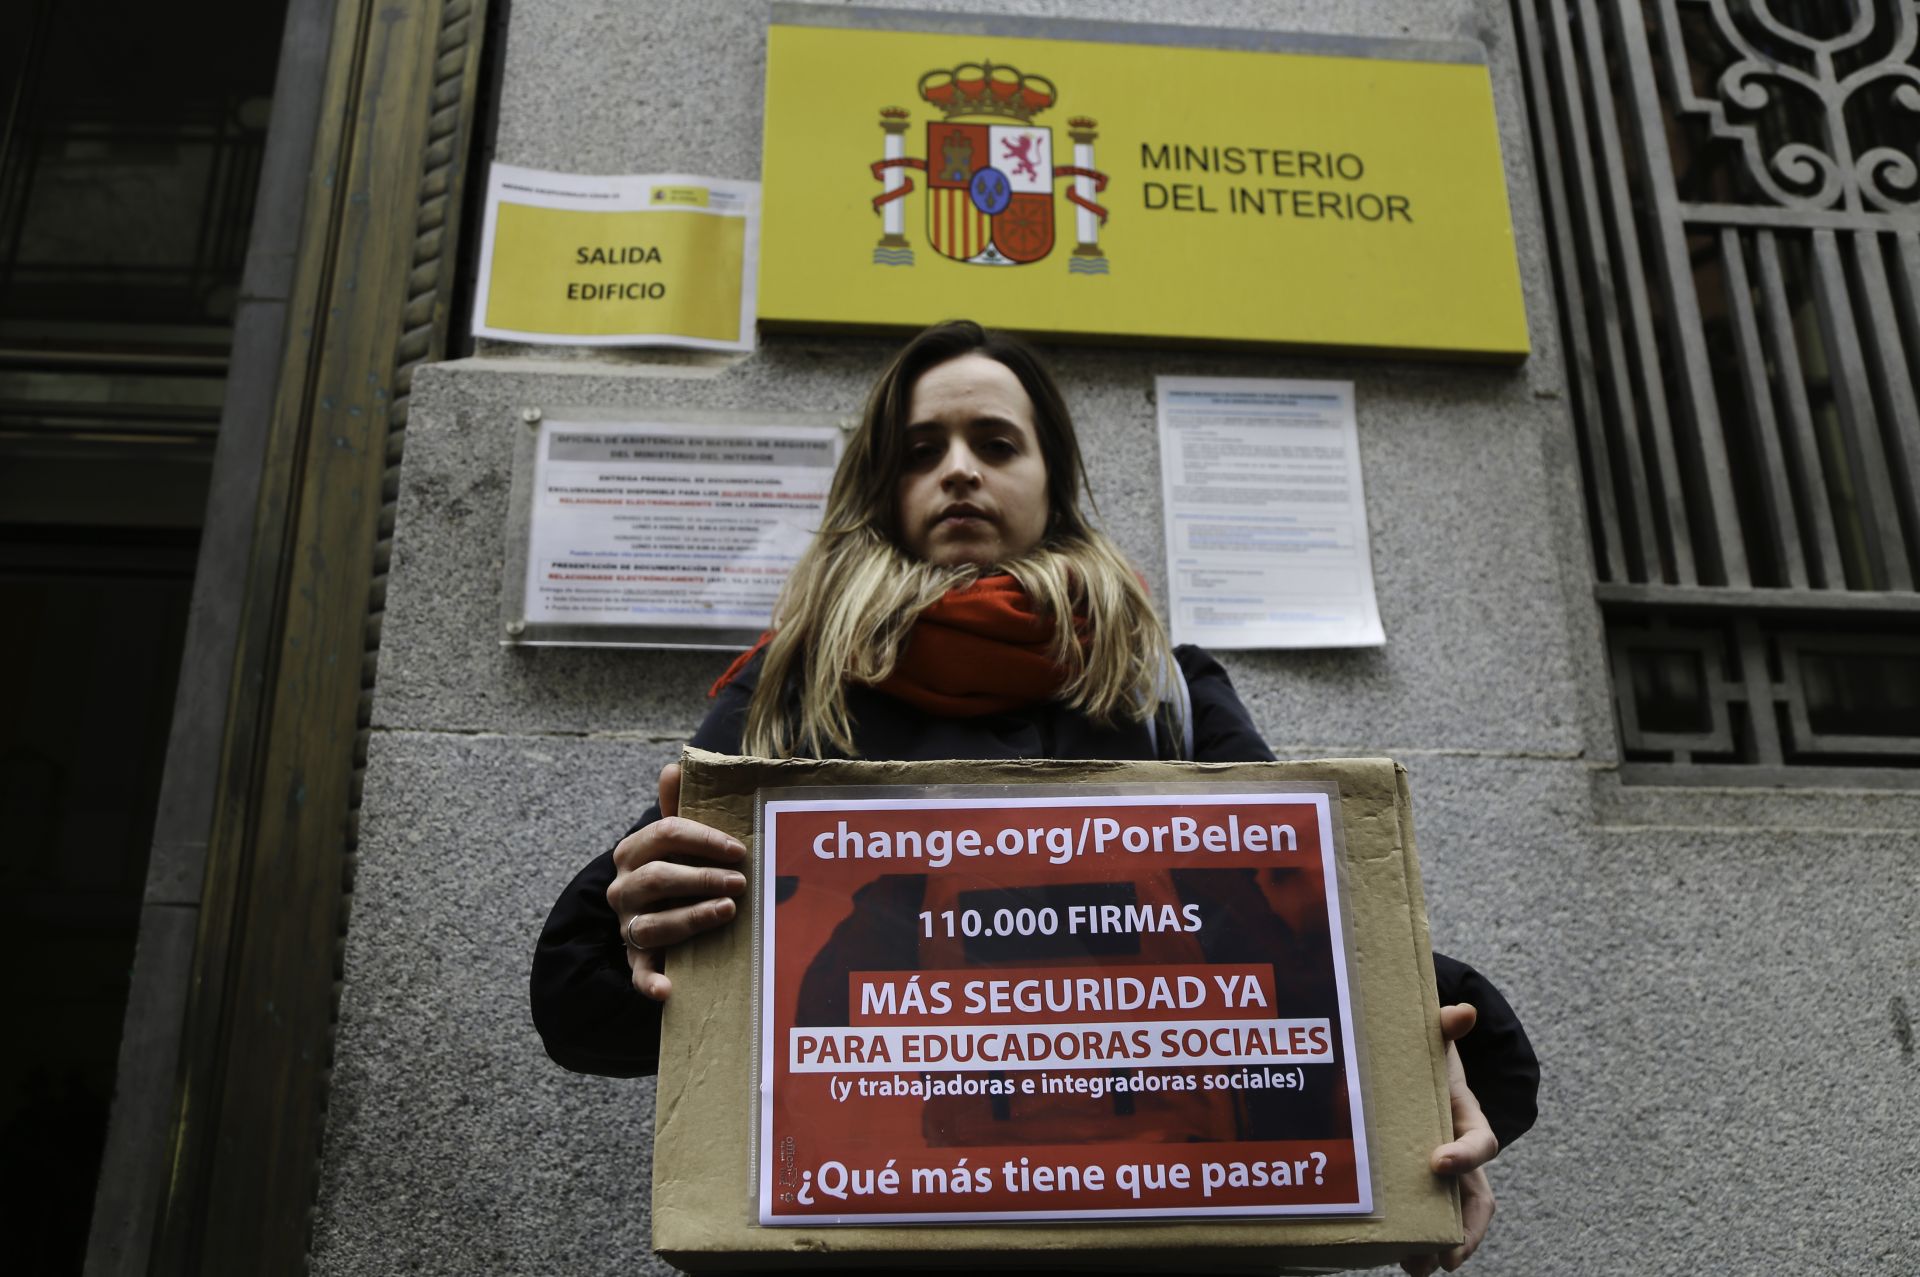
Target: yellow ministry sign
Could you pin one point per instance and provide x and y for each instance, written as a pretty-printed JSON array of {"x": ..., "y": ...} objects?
[
  {"x": 632, "y": 260},
  {"x": 1103, "y": 180}
]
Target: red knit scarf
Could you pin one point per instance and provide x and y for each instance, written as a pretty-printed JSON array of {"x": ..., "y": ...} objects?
[{"x": 980, "y": 649}]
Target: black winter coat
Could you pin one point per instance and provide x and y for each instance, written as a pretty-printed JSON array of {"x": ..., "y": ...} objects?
[{"x": 593, "y": 1021}]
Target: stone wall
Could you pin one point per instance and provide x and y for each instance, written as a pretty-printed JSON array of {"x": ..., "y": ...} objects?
[{"x": 1715, "y": 980}]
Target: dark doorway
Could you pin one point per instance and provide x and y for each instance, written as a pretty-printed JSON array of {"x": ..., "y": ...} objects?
[{"x": 130, "y": 141}]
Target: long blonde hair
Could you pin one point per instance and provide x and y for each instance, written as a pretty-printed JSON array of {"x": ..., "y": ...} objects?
[{"x": 852, "y": 600}]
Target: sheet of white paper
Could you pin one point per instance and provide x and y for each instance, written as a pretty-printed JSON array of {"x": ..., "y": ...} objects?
[
  {"x": 671, "y": 524},
  {"x": 1266, "y": 518}
]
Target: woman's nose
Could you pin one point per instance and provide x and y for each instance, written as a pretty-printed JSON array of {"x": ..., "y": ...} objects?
[{"x": 960, "y": 467}]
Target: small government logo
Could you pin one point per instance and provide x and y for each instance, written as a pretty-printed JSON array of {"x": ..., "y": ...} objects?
[{"x": 990, "y": 173}]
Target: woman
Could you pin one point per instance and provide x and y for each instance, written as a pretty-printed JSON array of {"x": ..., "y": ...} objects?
[{"x": 955, "y": 604}]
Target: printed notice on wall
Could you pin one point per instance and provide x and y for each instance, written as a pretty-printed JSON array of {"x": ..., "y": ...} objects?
[
  {"x": 1062, "y": 1005},
  {"x": 1266, "y": 517},
  {"x": 643, "y": 260},
  {"x": 670, "y": 524}
]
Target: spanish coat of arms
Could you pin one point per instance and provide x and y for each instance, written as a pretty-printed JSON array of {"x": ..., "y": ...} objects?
[{"x": 990, "y": 173}]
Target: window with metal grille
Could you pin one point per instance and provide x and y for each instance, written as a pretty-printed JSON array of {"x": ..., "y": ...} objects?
[{"x": 1732, "y": 189}]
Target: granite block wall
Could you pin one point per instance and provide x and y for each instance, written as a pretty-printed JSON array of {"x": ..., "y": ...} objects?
[{"x": 1720, "y": 983}]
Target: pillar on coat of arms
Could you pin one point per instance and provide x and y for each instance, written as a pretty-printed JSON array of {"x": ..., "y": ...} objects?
[
  {"x": 893, "y": 250},
  {"x": 1087, "y": 215}
]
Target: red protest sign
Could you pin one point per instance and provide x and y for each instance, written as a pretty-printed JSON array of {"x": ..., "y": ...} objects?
[{"x": 1054, "y": 1006}]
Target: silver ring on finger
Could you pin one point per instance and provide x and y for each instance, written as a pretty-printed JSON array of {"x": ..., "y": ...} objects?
[{"x": 626, "y": 933}]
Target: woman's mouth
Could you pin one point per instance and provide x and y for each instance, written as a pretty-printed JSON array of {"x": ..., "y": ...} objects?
[{"x": 960, "y": 516}]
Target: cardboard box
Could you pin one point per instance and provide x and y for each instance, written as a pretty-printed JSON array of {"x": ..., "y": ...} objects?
[{"x": 704, "y": 1194}]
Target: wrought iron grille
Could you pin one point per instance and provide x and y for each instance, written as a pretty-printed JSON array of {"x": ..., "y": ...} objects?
[{"x": 1733, "y": 193}]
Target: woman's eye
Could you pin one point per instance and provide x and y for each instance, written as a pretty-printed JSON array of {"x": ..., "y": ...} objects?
[{"x": 999, "y": 448}]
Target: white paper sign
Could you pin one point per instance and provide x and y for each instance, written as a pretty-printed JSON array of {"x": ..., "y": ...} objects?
[
  {"x": 674, "y": 525},
  {"x": 1266, "y": 518}
]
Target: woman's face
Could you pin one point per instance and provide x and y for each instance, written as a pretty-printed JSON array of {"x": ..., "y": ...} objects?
[{"x": 973, "y": 488}]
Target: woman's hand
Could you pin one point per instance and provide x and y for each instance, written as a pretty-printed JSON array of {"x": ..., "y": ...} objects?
[
  {"x": 1472, "y": 1148},
  {"x": 673, "y": 879}
]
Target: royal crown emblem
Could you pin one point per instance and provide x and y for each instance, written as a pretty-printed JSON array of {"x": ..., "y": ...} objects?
[
  {"x": 990, "y": 173},
  {"x": 985, "y": 89}
]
